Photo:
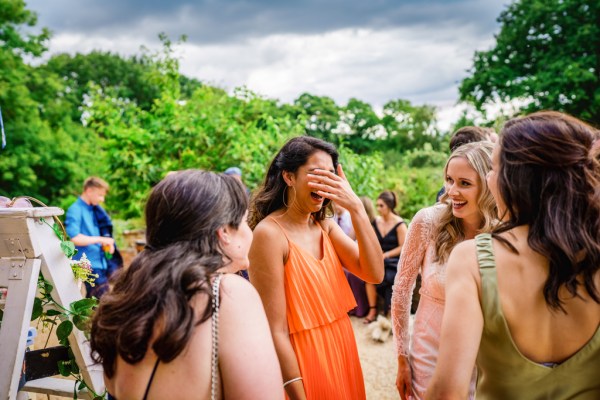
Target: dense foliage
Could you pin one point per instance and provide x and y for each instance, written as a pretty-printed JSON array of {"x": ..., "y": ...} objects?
[
  {"x": 45, "y": 152},
  {"x": 547, "y": 55},
  {"x": 132, "y": 120}
]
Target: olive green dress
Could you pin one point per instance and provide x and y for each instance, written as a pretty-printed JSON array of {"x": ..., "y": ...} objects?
[{"x": 504, "y": 373}]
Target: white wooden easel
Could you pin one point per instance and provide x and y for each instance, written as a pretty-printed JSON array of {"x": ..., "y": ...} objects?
[{"x": 27, "y": 245}]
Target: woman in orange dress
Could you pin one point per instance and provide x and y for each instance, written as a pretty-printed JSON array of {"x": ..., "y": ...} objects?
[{"x": 296, "y": 263}]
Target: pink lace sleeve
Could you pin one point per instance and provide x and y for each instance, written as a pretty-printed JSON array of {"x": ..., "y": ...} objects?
[{"x": 411, "y": 259}]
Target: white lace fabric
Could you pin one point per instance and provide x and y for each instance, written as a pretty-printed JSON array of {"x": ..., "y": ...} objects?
[{"x": 417, "y": 257}]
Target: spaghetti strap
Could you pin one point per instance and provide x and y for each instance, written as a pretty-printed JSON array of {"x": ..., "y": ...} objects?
[
  {"x": 151, "y": 378},
  {"x": 280, "y": 227}
]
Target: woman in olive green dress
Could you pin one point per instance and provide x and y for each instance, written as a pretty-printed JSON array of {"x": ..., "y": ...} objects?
[{"x": 524, "y": 302}]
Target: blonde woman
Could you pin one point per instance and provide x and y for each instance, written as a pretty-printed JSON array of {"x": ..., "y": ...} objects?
[{"x": 467, "y": 208}]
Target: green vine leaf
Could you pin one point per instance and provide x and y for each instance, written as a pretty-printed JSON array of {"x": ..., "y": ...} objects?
[
  {"x": 68, "y": 248},
  {"x": 81, "y": 322},
  {"x": 64, "y": 330},
  {"x": 53, "y": 313},
  {"x": 48, "y": 286},
  {"x": 57, "y": 231},
  {"x": 38, "y": 310},
  {"x": 80, "y": 306},
  {"x": 64, "y": 368}
]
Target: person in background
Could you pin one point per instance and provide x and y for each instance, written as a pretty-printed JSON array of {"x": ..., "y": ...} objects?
[
  {"x": 356, "y": 284},
  {"x": 466, "y": 209},
  {"x": 342, "y": 217},
  {"x": 369, "y": 208},
  {"x": 471, "y": 134},
  {"x": 468, "y": 134},
  {"x": 297, "y": 263},
  {"x": 178, "y": 323},
  {"x": 523, "y": 302},
  {"x": 391, "y": 233},
  {"x": 114, "y": 261},
  {"x": 84, "y": 231},
  {"x": 237, "y": 174}
]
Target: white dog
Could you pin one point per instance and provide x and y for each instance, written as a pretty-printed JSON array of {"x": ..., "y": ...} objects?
[{"x": 381, "y": 329}]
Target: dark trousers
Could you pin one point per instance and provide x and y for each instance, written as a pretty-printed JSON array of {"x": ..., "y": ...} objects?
[{"x": 385, "y": 288}]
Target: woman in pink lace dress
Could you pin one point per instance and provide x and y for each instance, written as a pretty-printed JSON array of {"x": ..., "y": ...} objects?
[{"x": 466, "y": 209}]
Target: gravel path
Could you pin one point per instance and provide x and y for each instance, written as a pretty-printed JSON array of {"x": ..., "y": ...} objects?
[{"x": 378, "y": 363}]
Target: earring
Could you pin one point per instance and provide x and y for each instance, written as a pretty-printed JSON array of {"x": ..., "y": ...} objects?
[{"x": 285, "y": 195}]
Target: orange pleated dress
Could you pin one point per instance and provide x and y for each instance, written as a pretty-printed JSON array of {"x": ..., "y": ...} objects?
[{"x": 318, "y": 299}]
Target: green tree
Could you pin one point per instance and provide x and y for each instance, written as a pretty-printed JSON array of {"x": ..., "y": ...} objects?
[
  {"x": 42, "y": 157},
  {"x": 360, "y": 126},
  {"x": 409, "y": 126},
  {"x": 546, "y": 54},
  {"x": 211, "y": 130},
  {"x": 128, "y": 76},
  {"x": 321, "y": 115}
]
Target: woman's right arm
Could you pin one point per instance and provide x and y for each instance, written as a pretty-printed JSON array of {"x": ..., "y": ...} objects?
[
  {"x": 267, "y": 254},
  {"x": 412, "y": 256}
]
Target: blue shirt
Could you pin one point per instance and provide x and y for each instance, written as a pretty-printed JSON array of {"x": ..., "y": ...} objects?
[{"x": 81, "y": 220}]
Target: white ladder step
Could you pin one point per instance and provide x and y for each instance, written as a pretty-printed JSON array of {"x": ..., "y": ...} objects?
[{"x": 56, "y": 387}]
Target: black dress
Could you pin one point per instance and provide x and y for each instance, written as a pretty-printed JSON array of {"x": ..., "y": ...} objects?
[{"x": 387, "y": 243}]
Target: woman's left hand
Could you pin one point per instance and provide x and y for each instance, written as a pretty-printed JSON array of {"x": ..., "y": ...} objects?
[{"x": 334, "y": 187}]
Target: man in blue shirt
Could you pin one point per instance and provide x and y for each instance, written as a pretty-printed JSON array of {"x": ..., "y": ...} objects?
[{"x": 82, "y": 227}]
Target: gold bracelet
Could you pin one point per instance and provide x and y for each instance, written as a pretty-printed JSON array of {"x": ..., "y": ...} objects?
[{"x": 292, "y": 380}]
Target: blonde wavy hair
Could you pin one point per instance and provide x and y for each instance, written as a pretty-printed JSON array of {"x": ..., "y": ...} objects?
[{"x": 448, "y": 232}]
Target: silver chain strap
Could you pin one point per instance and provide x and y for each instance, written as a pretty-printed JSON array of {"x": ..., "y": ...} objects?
[{"x": 215, "y": 338}]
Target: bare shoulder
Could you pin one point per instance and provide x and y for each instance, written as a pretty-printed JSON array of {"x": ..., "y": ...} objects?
[
  {"x": 232, "y": 287},
  {"x": 268, "y": 235},
  {"x": 237, "y": 291},
  {"x": 465, "y": 248},
  {"x": 464, "y": 257},
  {"x": 399, "y": 220},
  {"x": 327, "y": 224},
  {"x": 237, "y": 285},
  {"x": 269, "y": 229}
]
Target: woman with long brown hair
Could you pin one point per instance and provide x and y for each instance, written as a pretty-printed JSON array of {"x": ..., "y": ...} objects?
[
  {"x": 524, "y": 301},
  {"x": 296, "y": 264},
  {"x": 178, "y": 324}
]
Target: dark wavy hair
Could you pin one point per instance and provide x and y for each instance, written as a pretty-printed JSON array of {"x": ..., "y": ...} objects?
[
  {"x": 294, "y": 154},
  {"x": 549, "y": 179},
  {"x": 390, "y": 200},
  {"x": 183, "y": 213},
  {"x": 469, "y": 134}
]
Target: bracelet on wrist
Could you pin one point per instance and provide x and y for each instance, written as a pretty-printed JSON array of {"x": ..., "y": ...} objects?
[{"x": 291, "y": 381}]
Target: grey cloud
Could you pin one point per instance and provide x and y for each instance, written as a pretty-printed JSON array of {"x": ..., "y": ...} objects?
[{"x": 212, "y": 21}]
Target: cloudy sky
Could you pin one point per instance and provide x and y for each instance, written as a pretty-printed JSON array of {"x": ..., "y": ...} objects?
[{"x": 374, "y": 50}]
